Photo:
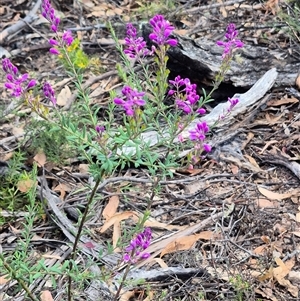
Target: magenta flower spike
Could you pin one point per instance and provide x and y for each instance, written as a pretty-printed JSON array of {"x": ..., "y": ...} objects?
[
  {"x": 17, "y": 83},
  {"x": 161, "y": 31},
  {"x": 133, "y": 100},
  {"x": 199, "y": 132},
  {"x": 48, "y": 13},
  {"x": 67, "y": 37},
  {"x": 49, "y": 93},
  {"x": 134, "y": 251},
  {"x": 100, "y": 129},
  {"x": 185, "y": 94},
  {"x": 135, "y": 47},
  {"x": 230, "y": 42}
]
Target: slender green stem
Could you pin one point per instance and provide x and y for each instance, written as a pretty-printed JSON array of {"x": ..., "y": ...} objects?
[
  {"x": 122, "y": 282},
  {"x": 80, "y": 229}
]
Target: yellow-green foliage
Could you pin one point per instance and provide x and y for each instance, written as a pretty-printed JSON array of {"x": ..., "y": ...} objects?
[{"x": 76, "y": 55}]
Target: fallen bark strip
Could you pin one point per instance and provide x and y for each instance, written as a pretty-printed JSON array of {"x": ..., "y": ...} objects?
[
  {"x": 69, "y": 230},
  {"x": 164, "y": 274},
  {"x": 278, "y": 159}
]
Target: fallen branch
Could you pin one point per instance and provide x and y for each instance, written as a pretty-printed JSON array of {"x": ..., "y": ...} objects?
[{"x": 21, "y": 23}]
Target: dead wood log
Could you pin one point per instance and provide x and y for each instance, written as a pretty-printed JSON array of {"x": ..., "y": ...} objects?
[{"x": 200, "y": 60}]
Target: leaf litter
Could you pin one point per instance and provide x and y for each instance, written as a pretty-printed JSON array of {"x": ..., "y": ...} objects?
[{"x": 257, "y": 178}]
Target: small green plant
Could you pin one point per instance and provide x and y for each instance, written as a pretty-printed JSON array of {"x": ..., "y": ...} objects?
[
  {"x": 240, "y": 286},
  {"x": 201, "y": 296},
  {"x": 50, "y": 139},
  {"x": 148, "y": 9},
  {"x": 291, "y": 18},
  {"x": 24, "y": 265},
  {"x": 11, "y": 199}
]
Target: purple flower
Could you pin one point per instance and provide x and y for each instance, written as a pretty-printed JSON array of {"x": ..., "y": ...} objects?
[
  {"x": 31, "y": 84},
  {"x": 199, "y": 132},
  {"x": 100, "y": 129},
  {"x": 8, "y": 67},
  {"x": 201, "y": 111},
  {"x": 232, "y": 103},
  {"x": 48, "y": 13},
  {"x": 16, "y": 82},
  {"x": 134, "y": 251},
  {"x": 67, "y": 37},
  {"x": 230, "y": 42},
  {"x": 135, "y": 47},
  {"x": 53, "y": 42},
  {"x": 49, "y": 93},
  {"x": 185, "y": 94},
  {"x": 133, "y": 99},
  {"x": 54, "y": 51},
  {"x": 161, "y": 31},
  {"x": 206, "y": 147}
]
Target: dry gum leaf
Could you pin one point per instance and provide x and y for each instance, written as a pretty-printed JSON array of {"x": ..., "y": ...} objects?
[{"x": 274, "y": 195}]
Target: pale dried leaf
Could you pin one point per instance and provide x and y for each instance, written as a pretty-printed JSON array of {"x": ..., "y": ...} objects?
[
  {"x": 40, "y": 158},
  {"x": 273, "y": 195},
  {"x": 83, "y": 168},
  {"x": 282, "y": 270},
  {"x": 151, "y": 222},
  {"x": 298, "y": 81},
  {"x": 52, "y": 256},
  {"x": 62, "y": 188},
  {"x": 298, "y": 217},
  {"x": 185, "y": 243},
  {"x": 234, "y": 169},
  {"x": 264, "y": 203},
  {"x": 63, "y": 96},
  {"x": 116, "y": 236},
  {"x": 267, "y": 275},
  {"x": 118, "y": 218},
  {"x": 7, "y": 156},
  {"x": 4, "y": 279},
  {"x": 18, "y": 131},
  {"x": 161, "y": 262},
  {"x": 267, "y": 145},
  {"x": 294, "y": 291},
  {"x": 252, "y": 161},
  {"x": 127, "y": 296},
  {"x": 267, "y": 293},
  {"x": 282, "y": 101},
  {"x": 260, "y": 250},
  {"x": 273, "y": 119},
  {"x": 297, "y": 233},
  {"x": 150, "y": 296},
  {"x": 46, "y": 296},
  {"x": 111, "y": 207},
  {"x": 25, "y": 185}
]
